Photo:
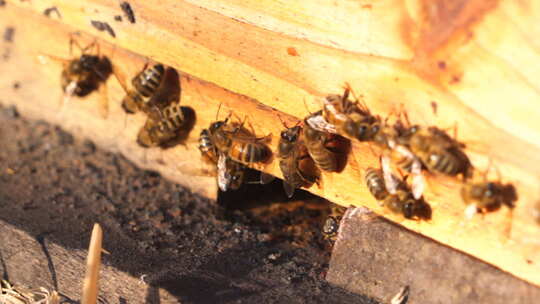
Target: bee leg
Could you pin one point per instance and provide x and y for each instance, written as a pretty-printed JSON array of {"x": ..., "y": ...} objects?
[
  {"x": 289, "y": 189},
  {"x": 266, "y": 178},
  {"x": 120, "y": 77},
  {"x": 405, "y": 115},
  {"x": 347, "y": 89},
  {"x": 72, "y": 41},
  {"x": 401, "y": 297},
  {"x": 95, "y": 45},
  {"x": 103, "y": 100},
  {"x": 510, "y": 217}
]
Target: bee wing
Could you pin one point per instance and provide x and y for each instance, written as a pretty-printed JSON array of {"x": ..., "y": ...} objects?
[
  {"x": 470, "y": 211},
  {"x": 121, "y": 78},
  {"x": 318, "y": 123},
  {"x": 289, "y": 189},
  {"x": 68, "y": 93},
  {"x": 331, "y": 107},
  {"x": 390, "y": 181},
  {"x": 223, "y": 181},
  {"x": 418, "y": 183},
  {"x": 266, "y": 178}
]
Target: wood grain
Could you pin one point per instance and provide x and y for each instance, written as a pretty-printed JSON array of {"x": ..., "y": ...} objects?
[{"x": 480, "y": 72}]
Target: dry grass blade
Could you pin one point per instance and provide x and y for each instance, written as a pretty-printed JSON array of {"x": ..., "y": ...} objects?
[{"x": 93, "y": 261}]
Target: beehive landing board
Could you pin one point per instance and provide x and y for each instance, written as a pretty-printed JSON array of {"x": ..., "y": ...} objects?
[
  {"x": 375, "y": 257},
  {"x": 473, "y": 62}
]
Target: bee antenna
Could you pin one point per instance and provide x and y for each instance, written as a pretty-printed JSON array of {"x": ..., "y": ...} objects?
[
  {"x": 348, "y": 90},
  {"x": 305, "y": 105},
  {"x": 282, "y": 122},
  {"x": 218, "y": 109}
]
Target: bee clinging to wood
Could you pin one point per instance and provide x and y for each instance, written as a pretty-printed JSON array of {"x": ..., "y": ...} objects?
[
  {"x": 85, "y": 73},
  {"x": 331, "y": 224},
  {"x": 164, "y": 126},
  {"x": 207, "y": 148},
  {"x": 154, "y": 86},
  {"x": 240, "y": 145},
  {"x": 297, "y": 166},
  {"x": 399, "y": 200},
  {"x": 438, "y": 152},
  {"x": 230, "y": 173},
  {"x": 350, "y": 118},
  {"x": 326, "y": 149},
  {"x": 485, "y": 196}
]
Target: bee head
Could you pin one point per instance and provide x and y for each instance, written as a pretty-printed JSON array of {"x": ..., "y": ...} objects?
[
  {"x": 216, "y": 126},
  {"x": 362, "y": 131},
  {"x": 290, "y": 135},
  {"x": 86, "y": 62},
  {"x": 331, "y": 226},
  {"x": 408, "y": 209},
  {"x": 491, "y": 189}
]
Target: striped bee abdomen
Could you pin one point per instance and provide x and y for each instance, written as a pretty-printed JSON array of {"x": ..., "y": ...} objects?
[
  {"x": 149, "y": 80},
  {"x": 375, "y": 183}
]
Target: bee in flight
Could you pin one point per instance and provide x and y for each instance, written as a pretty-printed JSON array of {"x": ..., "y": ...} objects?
[
  {"x": 297, "y": 166},
  {"x": 154, "y": 86},
  {"x": 398, "y": 199},
  {"x": 84, "y": 74},
  {"x": 163, "y": 126}
]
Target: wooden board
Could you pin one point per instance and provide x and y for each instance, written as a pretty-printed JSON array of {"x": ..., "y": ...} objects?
[
  {"x": 373, "y": 257},
  {"x": 31, "y": 264},
  {"x": 260, "y": 61}
]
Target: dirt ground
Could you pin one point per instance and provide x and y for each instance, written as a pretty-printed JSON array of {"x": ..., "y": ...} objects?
[{"x": 243, "y": 249}]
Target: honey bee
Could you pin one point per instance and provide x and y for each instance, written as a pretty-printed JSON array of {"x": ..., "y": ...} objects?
[
  {"x": 400, "y": 200},
  {"x": 437, "y": 151},
  {"x": 164, "y": 125},
  {"x": 319, "y": 146},
  {"x": 146, "y": 85},
  {"x": 486, "y": 196},
  {"x": 239, "y": 144},
  {"x": 230, "y": 173},
  {"x": 331, "y": 225},
  {"x": 207, "y": 148},
  {"x": 297, "y": 166},
  {"x": 351, "y": 119},
  {"x": 85, "y": 74}
]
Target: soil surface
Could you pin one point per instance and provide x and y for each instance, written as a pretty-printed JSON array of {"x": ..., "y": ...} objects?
[{"x": 252, "y": 246}]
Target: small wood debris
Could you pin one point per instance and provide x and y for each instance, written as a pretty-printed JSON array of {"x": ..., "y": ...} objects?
[
  {"x": 103, "y": 26},
  {"x": 128, "y": 11}
]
